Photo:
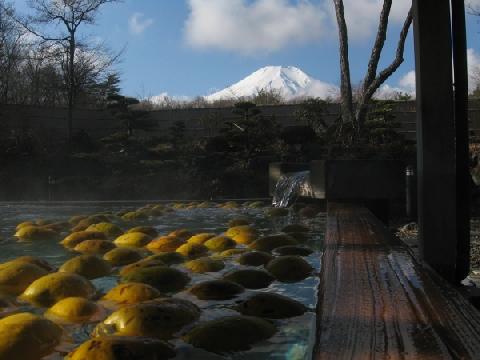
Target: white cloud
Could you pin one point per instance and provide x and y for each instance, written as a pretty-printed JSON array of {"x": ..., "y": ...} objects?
[
  {"x": 474, "y": 4},
  {"x": 164, "y": 99},
  {"x": 407, "y": 82},
  {"x": 386, "y": 92},
  {"x": 405, "y": 86},
  {"x": 473, "y": 59},
  {"x": 249, "y": 27},
  {"x": 138, "y": 23},
  {"x": 28, "y": 38},
  {"x": 362, "y": 16},
  {"x": 320, "y": 89}
]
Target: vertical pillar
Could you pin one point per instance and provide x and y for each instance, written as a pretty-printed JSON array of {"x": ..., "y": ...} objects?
[
  {"x": 460, "y": 68},
  {"x": 437, "y": 218}
]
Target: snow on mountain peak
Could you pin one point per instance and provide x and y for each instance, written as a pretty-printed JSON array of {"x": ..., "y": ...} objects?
[{"x": 290, "y": 82}]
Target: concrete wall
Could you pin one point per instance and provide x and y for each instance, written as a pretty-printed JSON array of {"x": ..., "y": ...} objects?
[{"x": 199, "y": 122}]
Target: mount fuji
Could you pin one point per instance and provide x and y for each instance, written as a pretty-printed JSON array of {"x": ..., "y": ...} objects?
[{"x": 290, "y": 82}]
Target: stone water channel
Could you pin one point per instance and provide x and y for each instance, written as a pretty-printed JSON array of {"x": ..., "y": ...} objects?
[{"x": 295, "y": 336}]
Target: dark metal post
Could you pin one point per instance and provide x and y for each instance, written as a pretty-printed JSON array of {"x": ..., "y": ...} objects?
[
  {"x": 411, "y": 192},
  {"x": 51, "y": 187},
  {"x": 435, "y": 136},
  {"x": 461, "y": 128}
]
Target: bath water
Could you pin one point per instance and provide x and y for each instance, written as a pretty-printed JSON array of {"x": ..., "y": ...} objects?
[{"x": 295, "y": 337}]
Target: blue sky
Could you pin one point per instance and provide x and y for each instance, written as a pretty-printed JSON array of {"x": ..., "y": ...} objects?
[{"x": 194, "y": 47}]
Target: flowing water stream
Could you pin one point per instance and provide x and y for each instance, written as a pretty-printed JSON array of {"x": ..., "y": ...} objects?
[{"x": 290, "y": 186}]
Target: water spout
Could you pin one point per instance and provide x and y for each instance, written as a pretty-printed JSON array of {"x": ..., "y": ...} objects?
[{"x": 290, "y": 186}]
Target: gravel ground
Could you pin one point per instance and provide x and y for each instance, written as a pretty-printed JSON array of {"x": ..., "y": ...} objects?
[
  {"x": 409, "y": 234},
  {"x": 475, "y": 243}
]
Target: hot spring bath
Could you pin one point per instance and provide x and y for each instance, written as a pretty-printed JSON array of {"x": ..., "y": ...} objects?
[{"x": 294, "y": 336}]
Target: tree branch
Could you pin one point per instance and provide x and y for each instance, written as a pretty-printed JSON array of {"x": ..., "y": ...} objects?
[
  {"x": 378, "y": 46},
  {"x": 388, "y": 71},
  {"x": 25, "y": 25},
  {"x": 45, "y": 38}
]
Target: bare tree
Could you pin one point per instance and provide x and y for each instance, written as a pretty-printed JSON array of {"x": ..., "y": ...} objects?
[
  {"x": 68, "y": 15},
  {"x": 268, "y": 97},
  {"x": 356, "y": 115},
  {"x": 11, "y": 46}
]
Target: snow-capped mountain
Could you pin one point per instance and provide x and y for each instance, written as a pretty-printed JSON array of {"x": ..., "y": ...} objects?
[{"x": 290, "y": 82}]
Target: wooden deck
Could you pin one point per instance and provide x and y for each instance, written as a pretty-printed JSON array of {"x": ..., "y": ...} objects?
[{"x": 377, "y": 302}]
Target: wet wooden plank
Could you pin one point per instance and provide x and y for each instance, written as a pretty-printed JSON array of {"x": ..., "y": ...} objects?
[{"x": 377, "y": 302}]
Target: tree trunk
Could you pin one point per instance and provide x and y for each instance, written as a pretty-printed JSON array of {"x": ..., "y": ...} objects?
[
  {"x": 129, "y": 126},
  {"x": 372, "y": 80},
  {"x": 364, "y": 98},
  {"x": 378, "y": 80},
  {"x": 71, "y": 84},
  {"x": 346, "y": 85}
]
